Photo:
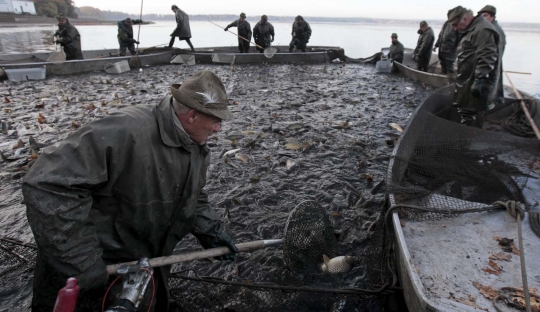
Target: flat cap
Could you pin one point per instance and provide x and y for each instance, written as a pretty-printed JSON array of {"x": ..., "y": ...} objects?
[
  {"x": 243, "y": 15},
  {"x": 61, "y": 16},
  {"x": 456, "y": 13},
  {"x": 128, "y": 21},
  {"x": 174, "y": 6},
  {"x": 488, "y": 9},
  {"x": 394, "y": 35}
]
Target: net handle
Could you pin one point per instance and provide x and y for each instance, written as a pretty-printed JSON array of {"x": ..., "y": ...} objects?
[{"x": 197, "y": 255}]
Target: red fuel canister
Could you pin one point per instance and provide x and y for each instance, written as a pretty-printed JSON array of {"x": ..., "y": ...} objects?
[{"x": 67, "y": 297}]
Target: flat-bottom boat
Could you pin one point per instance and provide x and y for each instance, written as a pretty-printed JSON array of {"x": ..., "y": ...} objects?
[{"x": 460, "y": 262}]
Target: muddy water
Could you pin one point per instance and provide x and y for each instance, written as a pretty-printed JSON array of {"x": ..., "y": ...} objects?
[{"x": 334, "y": 117}]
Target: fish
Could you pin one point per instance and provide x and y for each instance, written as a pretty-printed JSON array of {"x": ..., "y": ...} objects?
[
  {"x": 295, "y": 126},
  {"x": 231, "y": 152},
  {"x": 290, "y": 164},
  {"x": 242, "y": 157},
  {"x": 234, "y": 136},
  {"x": 396, "y": 126},
  {"x": 342, "y": 264}
]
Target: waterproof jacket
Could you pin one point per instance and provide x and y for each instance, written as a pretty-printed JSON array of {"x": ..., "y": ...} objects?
[
  {"x": 183, "y": 31},
  {"x": 447, "y": 42},
  {"x": 118, "y": 189},
  {"x": 424, "y": 47},
  {"x": 263, "y": 34},
  {"x": 125, "y": 33},
  {"x": 301, "y": 31},
  {"x": 396, "y": 51},
  {"x": 70, "y": 39},
  {"x": 496, "y": 97},
  {"x": 478, "y": 59},
  {"x": 244, "y": 29}
]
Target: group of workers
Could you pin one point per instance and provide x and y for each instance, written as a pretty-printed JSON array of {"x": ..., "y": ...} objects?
[
  {"x": 478, "y": 43},
  {"x": 130, "y": 185},
  {"x": 263, "y": 33}
]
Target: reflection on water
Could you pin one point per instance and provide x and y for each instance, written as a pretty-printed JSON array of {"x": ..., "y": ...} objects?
[
  {"x": 26, "y": 40},
  {"x": 358, "y": 40}
]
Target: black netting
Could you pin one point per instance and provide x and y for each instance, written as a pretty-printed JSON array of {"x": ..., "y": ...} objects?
[
  {"x": 308, "y": 236},
  {"x": 200, "y": 294},
  {"x": 441, "y": 164}
]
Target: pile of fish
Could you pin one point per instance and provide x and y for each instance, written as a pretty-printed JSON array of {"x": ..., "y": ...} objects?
[{"x": 297, "y": 133}]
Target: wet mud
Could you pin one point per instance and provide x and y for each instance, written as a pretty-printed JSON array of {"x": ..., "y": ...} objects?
[{"x": 317, "y": 132}]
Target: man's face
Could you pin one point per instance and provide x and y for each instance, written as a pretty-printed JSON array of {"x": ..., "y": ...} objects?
[
  {"x": 200, "y": 126},
  {"x": 488, "y": 17},
  {"x": 61, "y": 21},
  {"x": 463, "y": 22},
  {"x": 424, "y": 28},
  {"x": 394, "y": 39},
  {"x": 174, "y": 10}
]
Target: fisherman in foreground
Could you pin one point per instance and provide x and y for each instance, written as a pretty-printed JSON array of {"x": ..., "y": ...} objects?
[
  {"x": 244, "y": 30},
  {"x": 422, "y": 53},
  {"x": 263, "y": 32},
  {"x": 447, "y": 43},
  {"x": 125, "y": 36},
  {"x": 182, "y": 30},
  {"x": 125, "y": 187},
  {"x": 301, "y": 32},
  {"x": 396, "y": 49},
  {"x": 478, "y": 65},
  {"x": 68, "y": 37},
  {"x": 497, "y": 95}
]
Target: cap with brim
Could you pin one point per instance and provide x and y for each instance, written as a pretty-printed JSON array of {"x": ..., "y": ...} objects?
[
  {"x": 203, "y": 92},
  {"x": 456, "y": 13},
  {"x": 243, "y": 15},
  {"x": 128, "y": 21},
  {"x": 174, "y": 6},
  {"x": 394, "y": 35},
  {"x": 488, "y": 9},
  {"x": 60, "y": 17},
  {"x": 423, "y": 23}
]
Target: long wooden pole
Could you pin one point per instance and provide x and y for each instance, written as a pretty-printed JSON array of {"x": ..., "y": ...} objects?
[
  {"x": 197, "y": 255},
  {"x": 524, "y": 107},
  {"x": 140, "y": 22},
  {"x": 258, "y": 46}
]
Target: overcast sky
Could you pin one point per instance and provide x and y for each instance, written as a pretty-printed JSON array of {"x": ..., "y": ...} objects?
[{"x": 508, "y": 10}]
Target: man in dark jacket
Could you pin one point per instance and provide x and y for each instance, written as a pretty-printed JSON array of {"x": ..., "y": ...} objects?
[
  {"x": 422, "y": 53},
  {"x": 182, "y": 31},
  {"x": 263, "y": 32},
  {"x": 396, "y": 49},
  {"x": 478, "y": 65},
  {"x": 125, "y": 36},
  {"x": 125, "y": 187},
  {"x": 497, "y": 95},
  {"x": 68, "y": 37},
  {"x": 244, "y": 30},
  {"x": 301, "y": 32},
  {"x": 447, "y": 44}
]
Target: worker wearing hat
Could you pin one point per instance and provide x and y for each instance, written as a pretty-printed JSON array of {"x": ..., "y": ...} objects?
[
  {"x": 69, "y": 38},
  {"x": 489, "y": 12},
  {"x": 447, "y": 43},
  {"x": 182, "y": 30},
  {"x": 125, "y": 187},
  {"x": 424, "y": 46},
  {"x": 125, "y": 36},
  {"x": 396, "y": 49},
  {"x": 478, "y": 65},
  {"x": 244, "y": 31}
]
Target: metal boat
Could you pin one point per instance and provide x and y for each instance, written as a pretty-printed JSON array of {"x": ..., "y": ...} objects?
[{"x": 445, "y": 262}]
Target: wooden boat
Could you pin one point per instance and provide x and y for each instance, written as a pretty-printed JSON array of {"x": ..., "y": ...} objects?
[
  {"x": 94, "y": 60},
  {"x": 443, "y": 262},
  {"x": 432, "y": 77},
  {"x": 229, "y": 55}
]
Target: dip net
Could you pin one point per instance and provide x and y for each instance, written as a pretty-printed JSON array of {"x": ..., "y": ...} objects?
[{"x": 441, "y": 164}]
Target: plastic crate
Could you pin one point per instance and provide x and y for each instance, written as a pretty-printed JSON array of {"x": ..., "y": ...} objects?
[
  {"x": 24, "y": 74},
  {"x": 118, "y": 67},
  {"x": 384, "y": 66}
]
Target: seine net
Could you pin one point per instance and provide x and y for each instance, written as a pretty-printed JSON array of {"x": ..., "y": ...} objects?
[{"x": 439, "y": 163}]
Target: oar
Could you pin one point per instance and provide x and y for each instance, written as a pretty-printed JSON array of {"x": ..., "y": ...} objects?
[
  {"x": 197, "y": 255},
  {"x": 523, "y": 106},
  {"x": 268, "y": 52},
  {"x": 135, "y": 61}
]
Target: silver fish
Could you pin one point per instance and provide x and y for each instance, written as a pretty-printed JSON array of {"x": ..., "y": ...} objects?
[{"x": 342, "y": 264}]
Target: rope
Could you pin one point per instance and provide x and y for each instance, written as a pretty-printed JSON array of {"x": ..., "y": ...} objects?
[{"x": 383, "y": 290}]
